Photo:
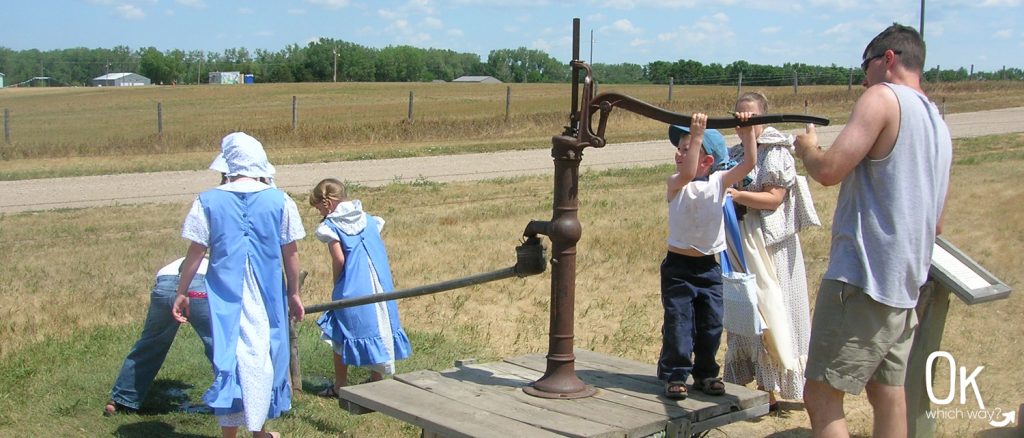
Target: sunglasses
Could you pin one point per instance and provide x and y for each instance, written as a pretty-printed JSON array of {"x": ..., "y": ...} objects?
[{"x": 866, "y": 61}]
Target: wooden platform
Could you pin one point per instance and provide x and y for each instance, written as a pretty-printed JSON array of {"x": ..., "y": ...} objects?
[{"x": 487, "y": 400}]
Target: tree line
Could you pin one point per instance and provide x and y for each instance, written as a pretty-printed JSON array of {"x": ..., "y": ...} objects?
[{"x": 327, "y": 60}]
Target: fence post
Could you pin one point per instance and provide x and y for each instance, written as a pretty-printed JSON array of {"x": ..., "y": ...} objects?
[
  {"x": 7, "y": 126},
  {"x": 159, "y": 119},
  {"x": 806, "y": 109},
  {"x": 409, "y": 117},
  {"x": 508, "y": 100},
  {"x": 739, "y": 85},
  {"x": 671, "y": 82},
  {"x": 795, "y": 86},
  {"x": 295, "y": 113},
  {"x": 943, "y": 107},
  {"x": 849, "y": 85}
]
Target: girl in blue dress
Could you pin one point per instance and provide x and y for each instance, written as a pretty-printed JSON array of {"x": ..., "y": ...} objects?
[
  {"x": 249, "y": 229},
  {"x": 368, "y": 335}
]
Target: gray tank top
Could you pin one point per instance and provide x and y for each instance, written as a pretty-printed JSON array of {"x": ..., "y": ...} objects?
[{"x": 884, "y": 225}]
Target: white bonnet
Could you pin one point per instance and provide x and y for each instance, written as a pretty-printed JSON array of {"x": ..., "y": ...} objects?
[{"x": 243, "y": 155}]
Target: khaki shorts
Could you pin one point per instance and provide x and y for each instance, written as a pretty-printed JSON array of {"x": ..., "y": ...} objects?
[{"x": 855, "y": 339}]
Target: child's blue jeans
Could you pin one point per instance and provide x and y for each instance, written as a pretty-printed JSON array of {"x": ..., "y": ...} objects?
[
  {"x": 149, "y": 352},
  {"x": 691, "y": 293}
]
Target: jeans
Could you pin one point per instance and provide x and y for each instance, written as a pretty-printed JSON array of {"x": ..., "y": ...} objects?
[
  {"x": 149, "y": 352},
  {"x": 691, "y": 293}
]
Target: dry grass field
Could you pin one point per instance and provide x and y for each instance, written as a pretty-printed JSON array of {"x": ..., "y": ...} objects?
[
  {"x": 75, "y": 281},
  {"x": 94, "y": 131}
]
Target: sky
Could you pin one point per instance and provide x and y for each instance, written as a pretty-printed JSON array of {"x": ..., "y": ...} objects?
[{"x": 987, "y": 34}]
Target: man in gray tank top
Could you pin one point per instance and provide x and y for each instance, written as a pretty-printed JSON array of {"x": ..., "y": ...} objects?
[{"x": 893, "y": 160}]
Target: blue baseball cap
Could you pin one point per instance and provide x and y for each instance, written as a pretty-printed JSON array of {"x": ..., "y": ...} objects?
[{"x": 714, "y": 144}]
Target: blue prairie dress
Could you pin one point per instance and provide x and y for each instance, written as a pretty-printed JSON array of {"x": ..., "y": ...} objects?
[
  {"x": 371, "y": 334},
  {"x": 244, "y": 224}
]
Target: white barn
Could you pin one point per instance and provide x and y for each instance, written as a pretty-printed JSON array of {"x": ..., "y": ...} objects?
[
  {"x": 120, "y": 80},
  {"x": 477, "y": 79}
]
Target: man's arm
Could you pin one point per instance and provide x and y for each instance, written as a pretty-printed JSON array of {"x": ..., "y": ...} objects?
[{"x": 871, "y": 132}]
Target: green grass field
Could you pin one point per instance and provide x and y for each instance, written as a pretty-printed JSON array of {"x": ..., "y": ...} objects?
[{"x": 76, "y": 285}]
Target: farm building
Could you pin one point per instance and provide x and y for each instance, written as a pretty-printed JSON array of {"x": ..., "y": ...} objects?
[
  {"x": 1, "y": 80},
  {"x": 477, "y": 80},
  {"x": 225, "y": 77},
  {"x": 120, "y": 80}
]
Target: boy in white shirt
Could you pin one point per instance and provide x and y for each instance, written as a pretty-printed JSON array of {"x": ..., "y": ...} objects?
[{"x": 691, "y": 278}]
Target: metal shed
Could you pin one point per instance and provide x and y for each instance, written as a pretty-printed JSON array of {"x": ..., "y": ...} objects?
[
  {"x": 477, "y": 79},
  {"x": 120, "y": 80}
]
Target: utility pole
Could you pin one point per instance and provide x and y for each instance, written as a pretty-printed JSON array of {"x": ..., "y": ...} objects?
[
  {"x": 920, "y": 28},
  {"x": 592, "y": 46},
  {"x": 335, "y": 51}
]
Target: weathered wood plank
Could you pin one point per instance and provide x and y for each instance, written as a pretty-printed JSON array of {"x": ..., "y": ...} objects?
[
  {"x": 604, "y": 407},
  {"x": 638, "y": 379},
  {"x": 740, "y": 396},
  {"x": 434, "y": 413},
  {"x": 640, "y": 392},
  {"x": 494, "y": 395},
  {"x": 632, "y": 392}
]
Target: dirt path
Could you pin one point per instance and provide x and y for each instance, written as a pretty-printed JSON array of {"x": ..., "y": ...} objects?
[{"x": 182, "y": 186}]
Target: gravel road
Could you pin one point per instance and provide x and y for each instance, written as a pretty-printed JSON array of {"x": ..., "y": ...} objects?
[{"x": 182, "y": 186}]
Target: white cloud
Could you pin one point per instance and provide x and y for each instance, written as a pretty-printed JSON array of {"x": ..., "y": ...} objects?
[
  {"x": 420, "y": 38},
  {"x": 1003, "y": 34},
  {"x": 639, "y": 42},
  {"x": 624, "y": 25},
  {"x": 667, "y": 36},
  {"x": 619, "y": 4},
  {"x": 433, "y": 23},
  {"x": 598, "y": 17},
  {"x": 198, "y": 4},
  {"x": 839, "y": 4},
  {"x": 129, "y": 12},
  {"x": 457, "y": 33},
  {"x": 245, "y": 11},
  {"x": 419, "y": 7},
  {"x": 329, "y": 4},
  {"x": 296, "y": 12},
  {"x": 841, "y": 29},
  {"x": 771, "y": 30},
  {"x": 541, "y": 44},
  {"x": 399, "y": 25},
  {"x": 999, "y": 3}
]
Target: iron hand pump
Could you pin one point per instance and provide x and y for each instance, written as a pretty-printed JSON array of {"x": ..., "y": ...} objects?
[{"x": 564, "y": 228}]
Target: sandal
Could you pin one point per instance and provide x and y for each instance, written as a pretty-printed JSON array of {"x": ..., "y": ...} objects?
[
  {"x": 710, "y": 385},
  {"x": 328, "y": 392},
  {"x": 675, "y": 390}
]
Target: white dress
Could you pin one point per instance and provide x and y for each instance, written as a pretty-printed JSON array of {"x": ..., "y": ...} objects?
[
  {"x": 255, "y": 370},
  {"x": 746, "y": 358}
]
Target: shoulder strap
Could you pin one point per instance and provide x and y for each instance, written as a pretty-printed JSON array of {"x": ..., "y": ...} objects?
[{"x": 732, "y": 227}]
